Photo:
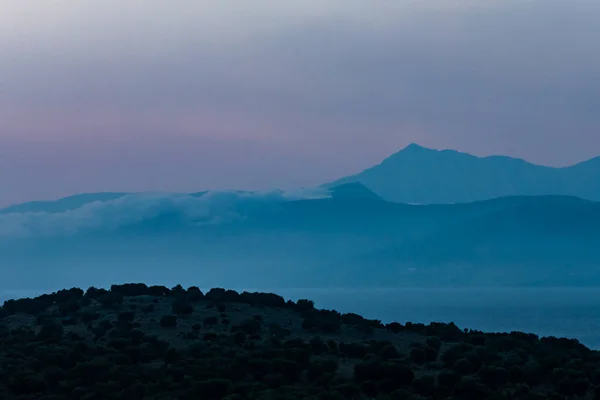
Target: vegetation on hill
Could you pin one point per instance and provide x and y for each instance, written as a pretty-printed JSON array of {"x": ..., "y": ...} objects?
[{"x": 138, "y": 342}]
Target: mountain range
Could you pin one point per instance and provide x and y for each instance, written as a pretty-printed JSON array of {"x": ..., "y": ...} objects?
[
  {"x": 352, "y": 238},
  {"x": 425, "y": 176},
  {"x": 420, "y": 218}
]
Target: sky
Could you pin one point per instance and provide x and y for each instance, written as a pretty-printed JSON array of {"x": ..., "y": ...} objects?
[{"x": 138, "y": 95}]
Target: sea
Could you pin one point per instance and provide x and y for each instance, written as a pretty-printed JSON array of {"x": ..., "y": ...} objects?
[{"x": 560, "y": 312}]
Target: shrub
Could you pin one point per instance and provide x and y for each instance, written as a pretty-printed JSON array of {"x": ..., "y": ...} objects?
[
  {"x": 50, "y": 330},
  {"x": 418, "y": 355},
  {"x": 470, "y": 388},
  {"x": 262, "y": 299},
  {"x": 148, "y": 308},
  {"x": 170, "y": 355},
  {"x": 131, "y": 289},
  {"x": 182, "y": 307},
  {"x": 303, "y": 305},
  {"x": 290, "y": 369},
  {"x": 425, "y": 385},
  {"x": 464, "y": 366},
  {"x": 494, "y": 376},
  {"x": 448, "y": 378},
  {"x": 318, "y": 346},
  {"x": 394, "y": 327},
  {"x": 26, "y": 306},
  {"x": 434, "y": 342},
  {"x": 94, "y": 293},
  {"x": 111, "y": 299},
  {"x": 159, "y": 291},
  {"x": 197, "y": 327},
  {"x": 249, "y": 326},
  {"x": 68, "y": 307},
  {"x": 213, "y": 388},
  {"x": 168, "y": 321},
  {"x": 322, "y": 321},
  {"x": 389, "y": 352},
  {"x": 194, "y": 294},
  {"x": 126, "y": 317},
  {"x": 455, "y": 353}
]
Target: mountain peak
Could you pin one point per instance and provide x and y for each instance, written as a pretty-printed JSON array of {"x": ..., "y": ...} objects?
[
  {"x": 417, "y": 174},
  {"x": 414, "y": 147}
]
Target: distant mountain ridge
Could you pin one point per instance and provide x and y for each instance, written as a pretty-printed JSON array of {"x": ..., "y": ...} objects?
[
  {"x": 350, "y": 239},
  {"x": 421, "y": 175}
]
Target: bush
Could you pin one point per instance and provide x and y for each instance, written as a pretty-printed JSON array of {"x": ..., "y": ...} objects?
[
  {"x": 213, "y": 388},
  {"x": 322, "y": 321},
  {"x": 168, "y": 321},
  {"x": 131, "y": 289},
  {"x": 318, "y": 346},
  {"x": 148, "y": 308},
  {"x": 455, "y": 353},
  {"x": 464, "y": 366},
  {"x": 418, "y": 355},
  {"x": 434, "y": 342},
  {"x": 303, "y": 305},
  {"x": 448, "y": 378},
  {"x": 68, "y": 307},
  {"x": 182, "y": 307},
  {"x": 126, "y": 317},
  {"x": 425, "y": 385},
  {"x": 250, "y": 326},
  {"x": 194, "y": 294},
  {"x": 159, "y": 291},
  {"x": 389, "y": 352},
  {"x": 26, "y": 306},
  {"x": 494, "y": 376},
  {"x": 111, "y": 299},
  {"x": 94, "y": 293},
  {"x": 50, "y": 330},
  {"x": 89, "y": 316},
  {"x": 470, "y": 388}
]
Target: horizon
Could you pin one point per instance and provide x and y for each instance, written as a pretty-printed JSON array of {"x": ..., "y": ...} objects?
[{"x": 272, "y": 189}]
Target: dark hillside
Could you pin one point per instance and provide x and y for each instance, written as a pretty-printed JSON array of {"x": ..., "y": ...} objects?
[{"x": 139, "y": 342}]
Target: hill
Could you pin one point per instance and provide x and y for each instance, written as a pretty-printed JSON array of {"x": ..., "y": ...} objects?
[
  {"x": 426, "y": 176},
  {"x": 327, "y": 242},
  {"x": 62, "y": 205},
  {"x": 136, "y": 342}
]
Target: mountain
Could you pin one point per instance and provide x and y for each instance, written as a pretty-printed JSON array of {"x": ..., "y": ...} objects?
[
  {"x": 420, "y": 175},
  {"x": 355, "y": 191},
  {"x": 61, "y": 205},
  {"x": 351, "y": 239},
  {"x": 552, "y": 241}
]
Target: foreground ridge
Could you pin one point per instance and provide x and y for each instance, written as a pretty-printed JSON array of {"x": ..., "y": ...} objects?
[{"x": 150, "y": 342}]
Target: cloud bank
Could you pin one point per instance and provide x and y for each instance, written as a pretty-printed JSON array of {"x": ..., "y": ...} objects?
[{"x": 218, "y": 207}]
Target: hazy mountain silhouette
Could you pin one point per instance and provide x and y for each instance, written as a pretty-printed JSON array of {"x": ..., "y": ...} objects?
[
  {"x": 420, "y": 175},
  {"x": 63, "y": 204},
  {"x": 350, "y": 239},
  {"x": 353, "y": 190}
]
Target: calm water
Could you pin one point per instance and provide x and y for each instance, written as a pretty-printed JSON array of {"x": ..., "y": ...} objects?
[{"x": 573, "y": 313}]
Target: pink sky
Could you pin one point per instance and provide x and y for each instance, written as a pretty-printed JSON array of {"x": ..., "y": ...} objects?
[{"x": 113, "y": 96}]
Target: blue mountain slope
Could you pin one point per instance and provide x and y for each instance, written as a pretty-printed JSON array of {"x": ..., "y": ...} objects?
[
  {"x": 420, "y": 175},
  {"x": 62, "y": 205},
  {"x": 350, "y": 239}
]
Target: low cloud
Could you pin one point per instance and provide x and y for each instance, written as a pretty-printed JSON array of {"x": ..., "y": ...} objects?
[{"x": 217, "y": 207}]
